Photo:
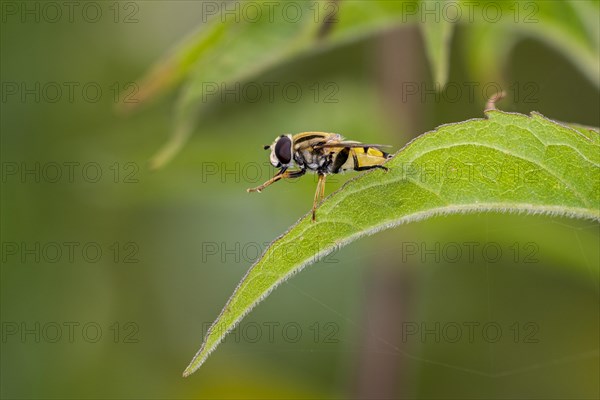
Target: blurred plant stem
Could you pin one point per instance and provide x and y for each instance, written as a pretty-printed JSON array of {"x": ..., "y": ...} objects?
[{"x": 399, "y": 59}]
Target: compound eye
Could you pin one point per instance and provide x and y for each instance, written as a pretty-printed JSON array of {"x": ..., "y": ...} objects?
[{"x": 283, "y": 150}]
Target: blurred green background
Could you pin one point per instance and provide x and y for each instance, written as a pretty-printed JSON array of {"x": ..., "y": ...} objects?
[{"x": 175, "y": 242}]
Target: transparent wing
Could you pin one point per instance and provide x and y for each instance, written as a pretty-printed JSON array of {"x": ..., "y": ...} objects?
[{"x": 349, "y": 144}]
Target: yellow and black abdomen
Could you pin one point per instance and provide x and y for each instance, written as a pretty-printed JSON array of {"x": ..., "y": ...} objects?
[{"x": 358, "y": 159}]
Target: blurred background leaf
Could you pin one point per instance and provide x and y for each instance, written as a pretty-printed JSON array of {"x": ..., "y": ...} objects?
[
  {"x": 436, "y": 37},
  {"x": 227, "y": 50}
]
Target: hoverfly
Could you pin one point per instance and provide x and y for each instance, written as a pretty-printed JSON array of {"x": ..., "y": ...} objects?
[{"x": 323, "y": 153}]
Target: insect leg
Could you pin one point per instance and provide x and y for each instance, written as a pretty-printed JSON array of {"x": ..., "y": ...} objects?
[
  {"x": 279, "y": 175},
  {"x": 318, "y": 194},
  {"x": 282, "y": 174},
  {"x": 296, "y": 174}
]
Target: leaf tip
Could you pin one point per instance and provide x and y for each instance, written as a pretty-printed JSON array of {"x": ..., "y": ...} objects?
[
  {"x": 187, "y": 372},
  {"x": 171, "y": 148},
  {"x": 195, "y": 364}
]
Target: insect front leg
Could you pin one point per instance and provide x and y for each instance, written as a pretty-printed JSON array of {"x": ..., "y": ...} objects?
[
  {"x": 282, "y": 174},
  {"x": 318, "y": 195}
]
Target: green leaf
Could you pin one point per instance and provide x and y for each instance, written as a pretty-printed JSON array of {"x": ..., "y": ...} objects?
[
  {"x": 506, "y": 163},
  {"x": 225, "y": 51},
  {"x": 570, "y": 27},
  {"x": 437, "y": 35},
  {"x": 245, "y": 50},
  {"x": 175, "y": 66}
]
